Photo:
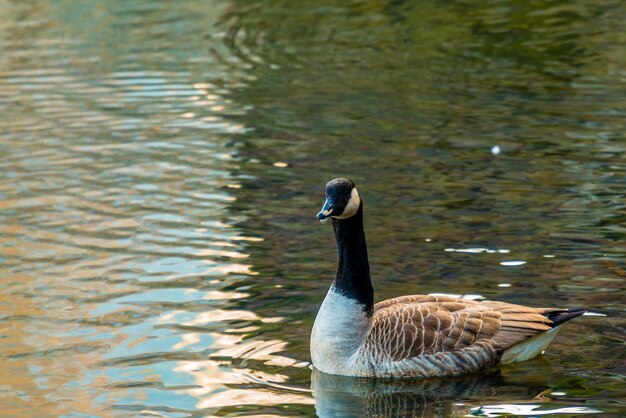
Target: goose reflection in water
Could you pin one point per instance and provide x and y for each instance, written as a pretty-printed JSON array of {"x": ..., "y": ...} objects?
[{"x": 519, "y": 391}]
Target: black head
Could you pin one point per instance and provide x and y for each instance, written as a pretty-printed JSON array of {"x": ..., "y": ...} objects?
[{"x": 342, "y": 200}]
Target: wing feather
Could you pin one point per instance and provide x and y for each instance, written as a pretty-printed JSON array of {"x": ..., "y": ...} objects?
[{"x": 422, "y": 325}]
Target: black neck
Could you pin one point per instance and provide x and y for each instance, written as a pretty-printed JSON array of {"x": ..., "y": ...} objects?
[{"x": 353, "y": 269}]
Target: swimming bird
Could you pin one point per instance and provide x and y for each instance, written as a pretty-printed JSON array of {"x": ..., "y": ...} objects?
[{"x": 415, "y": 335}]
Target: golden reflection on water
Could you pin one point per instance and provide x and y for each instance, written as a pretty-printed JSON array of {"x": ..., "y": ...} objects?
[
  {"x": 210, "y": 377},
  {"x": 91, "y": 222}
]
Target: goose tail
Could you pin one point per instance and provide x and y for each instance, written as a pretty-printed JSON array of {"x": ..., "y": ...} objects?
[
  {"x": 561, "y": 316},
  {"x": 537, "y": 344}
]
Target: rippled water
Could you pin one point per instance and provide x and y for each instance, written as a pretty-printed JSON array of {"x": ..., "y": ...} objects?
[{"x": 161, "y": 164}]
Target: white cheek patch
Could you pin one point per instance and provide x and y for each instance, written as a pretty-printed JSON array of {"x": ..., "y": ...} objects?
[{"x": 352, "y": 207}]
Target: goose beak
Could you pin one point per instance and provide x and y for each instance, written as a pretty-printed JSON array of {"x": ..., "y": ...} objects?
[{"x": 326, "y": 211}]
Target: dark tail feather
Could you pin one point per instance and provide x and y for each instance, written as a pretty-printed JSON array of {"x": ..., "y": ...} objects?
[{"x": 559, "y": 317}]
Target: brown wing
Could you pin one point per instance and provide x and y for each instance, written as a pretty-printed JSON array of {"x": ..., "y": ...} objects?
[{"x": 411, "y": 326}]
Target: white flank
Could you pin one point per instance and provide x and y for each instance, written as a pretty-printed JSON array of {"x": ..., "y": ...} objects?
[
  {"x": 530, "y": 348},
  {"x": 340, "y": 329}
]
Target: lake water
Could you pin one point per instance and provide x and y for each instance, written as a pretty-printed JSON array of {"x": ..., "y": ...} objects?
[{"x": 161, "y": 165}]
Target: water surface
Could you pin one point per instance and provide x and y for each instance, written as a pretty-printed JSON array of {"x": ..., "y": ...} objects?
[{"x": 161, "y": 165}]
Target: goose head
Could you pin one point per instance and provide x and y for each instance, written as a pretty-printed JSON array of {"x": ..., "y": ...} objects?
[{"x": 342, "y": 200}]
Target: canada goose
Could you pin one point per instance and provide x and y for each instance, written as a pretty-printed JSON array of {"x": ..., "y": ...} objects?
[{"x": 416, "y": 335}]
